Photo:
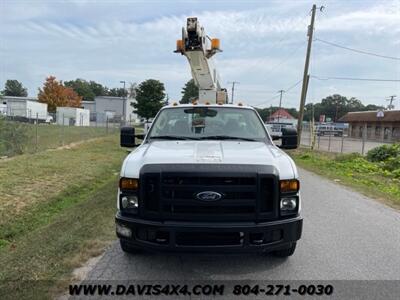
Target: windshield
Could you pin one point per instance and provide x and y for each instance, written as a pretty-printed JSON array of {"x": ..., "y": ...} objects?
[{"x": 208, "y": 123}]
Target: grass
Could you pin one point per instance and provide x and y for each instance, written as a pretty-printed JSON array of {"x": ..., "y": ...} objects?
[
  {"x": 43, "y": 136},
  {"x": 32, "y": 178},
  {"x": 56, "y": 210},
  {"x": 354, "y": 171}
]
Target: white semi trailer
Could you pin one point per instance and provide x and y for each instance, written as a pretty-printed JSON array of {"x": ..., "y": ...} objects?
[{"x": 27, "y": 110}]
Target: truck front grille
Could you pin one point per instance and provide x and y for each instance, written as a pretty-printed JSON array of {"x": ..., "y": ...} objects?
[{"x": 246, "y": 196}]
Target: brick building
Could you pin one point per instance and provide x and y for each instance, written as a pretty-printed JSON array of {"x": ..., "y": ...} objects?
[{"x": 376, "y": 125}]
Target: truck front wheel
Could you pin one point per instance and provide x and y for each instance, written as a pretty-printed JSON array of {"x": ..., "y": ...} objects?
[
  {"x": 128, "y": 248},
  {"x": 285, "y": 252}
]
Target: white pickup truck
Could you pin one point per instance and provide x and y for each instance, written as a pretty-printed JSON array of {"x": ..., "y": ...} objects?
[{"x": 208, "y": 178}]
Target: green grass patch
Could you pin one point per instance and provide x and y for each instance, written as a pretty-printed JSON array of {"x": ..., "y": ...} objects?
[
  {"x": 39, "y": 265},
  {"x": 355, "y": 171},
  {"x": 18, "y": 138},
  {"x": 56, "y": 210},
  {"x": 30, "y": 179}
]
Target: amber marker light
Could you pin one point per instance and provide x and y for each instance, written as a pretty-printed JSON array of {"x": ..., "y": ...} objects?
[
  {"x": 289, "y": 186},
  {"x": 128, "y": 183}
]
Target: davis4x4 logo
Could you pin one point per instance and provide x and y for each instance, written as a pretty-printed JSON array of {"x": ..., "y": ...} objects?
[{"x": 208, "y": 196}]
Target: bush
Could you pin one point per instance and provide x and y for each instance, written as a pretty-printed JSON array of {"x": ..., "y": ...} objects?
[{"x": 384, "y": 153}]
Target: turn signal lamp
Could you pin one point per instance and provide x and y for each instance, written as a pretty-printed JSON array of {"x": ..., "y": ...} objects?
[
  {"x": 240, "y": 104},
  {"x": 215, "y": 43},
  {"x": 179, "y": 45},
  {"x": 128, "y": 183},
  {"x": 175, "y": 104},
  {"x": 289, "y": 186}
]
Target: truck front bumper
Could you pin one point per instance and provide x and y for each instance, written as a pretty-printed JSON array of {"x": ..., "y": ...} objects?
[{"x": 209, "y": 237}]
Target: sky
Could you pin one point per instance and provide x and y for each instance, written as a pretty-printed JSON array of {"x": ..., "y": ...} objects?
[{"x": 264, "y": 45}]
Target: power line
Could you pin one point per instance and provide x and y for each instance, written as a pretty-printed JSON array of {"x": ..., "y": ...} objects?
[
  {"x": 286, "y": 59},
  {"x": 285, "y": 91},
  {"x": 352, "y": 78},
  {"x": 293, "y": 86},
  {"x": 356, "y": 50},
  {"x": 270, "y": 100},
  {"x": 284, "y": 37}
]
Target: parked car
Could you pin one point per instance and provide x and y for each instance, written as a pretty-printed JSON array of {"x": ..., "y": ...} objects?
[{"x": 275, "y": 128}]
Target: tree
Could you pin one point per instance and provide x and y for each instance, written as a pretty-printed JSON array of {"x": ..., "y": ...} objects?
[
  {"x": 98, "y": 89},
  {"x": 132, "y": 90},
  {"x": 117, "y": 92},
  {"x": 14, "y": 88},
  {"x": 373, "y": 107},
  {"x": 189, "y": 92},
  {"x": 335, "y": 107},
  {"x": 55, "y": 94},
  {"x": 150, "y": 96},
  {"x": 82, "y": 88},
  {"x": 87, "y": 89}
]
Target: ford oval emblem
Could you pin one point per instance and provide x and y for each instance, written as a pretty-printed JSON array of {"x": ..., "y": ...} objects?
[{"x": 208, "y": 196}]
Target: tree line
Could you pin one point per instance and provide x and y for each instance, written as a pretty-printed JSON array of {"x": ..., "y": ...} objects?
[
  {"x": 150, "y": 96},
  {"x": 332, "y": 107},
  {"x": 88, "y": 90}
]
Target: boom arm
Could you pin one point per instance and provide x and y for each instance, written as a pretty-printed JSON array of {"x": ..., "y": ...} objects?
[{"x": 199, "y": 49}]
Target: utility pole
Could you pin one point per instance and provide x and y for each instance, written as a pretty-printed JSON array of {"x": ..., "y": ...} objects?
[
  {"x": 123, "y": 103},
  {"x": 280, "y": 104},
  {"x": 391, "y": 99},
  {"x": 233, "y": 89},
  {"x": 305, "y": 75}
]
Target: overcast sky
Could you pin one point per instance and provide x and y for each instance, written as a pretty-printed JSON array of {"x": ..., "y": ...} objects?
[{"x": 263, "y": 42}]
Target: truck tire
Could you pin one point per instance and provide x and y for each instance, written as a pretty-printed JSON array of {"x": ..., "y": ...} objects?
[
  {"x": 285, "y": 252},
  {"x": 127, "y": 248}
]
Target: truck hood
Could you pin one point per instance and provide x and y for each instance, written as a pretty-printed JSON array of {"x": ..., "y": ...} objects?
[{"x": 208, "y": 152}]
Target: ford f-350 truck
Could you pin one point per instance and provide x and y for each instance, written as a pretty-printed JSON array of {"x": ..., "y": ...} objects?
[{"x": 208, "y": 178}]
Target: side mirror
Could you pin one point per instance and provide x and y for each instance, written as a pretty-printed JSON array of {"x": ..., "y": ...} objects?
[
  {"x": 289, "y": 138},
  {"x": 128, "y": 136}
]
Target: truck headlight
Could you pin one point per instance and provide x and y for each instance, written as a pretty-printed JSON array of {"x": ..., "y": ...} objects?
[
  {"x": 130, "y": 201},
  {"x": 288, "y": 204}
]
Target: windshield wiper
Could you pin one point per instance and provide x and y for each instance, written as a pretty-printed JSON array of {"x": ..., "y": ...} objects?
[
  {"x": 226, "y": 137},
  {"x": 172, "y": 137}
]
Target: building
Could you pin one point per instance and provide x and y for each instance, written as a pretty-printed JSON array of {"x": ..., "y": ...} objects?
[
  {"x": 376, "y": 125},
  {"x": 73, "y": 116},
  {"x": 6, "y": 99},
  {"x": 282, "y": 116},
  {"x": 103, "y": 108},
  {"x": 109, "y": 108},
  {"x": 91, "y": 106}
]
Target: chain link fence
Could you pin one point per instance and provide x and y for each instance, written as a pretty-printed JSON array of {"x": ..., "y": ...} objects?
[
  {"x": 28, "y": 132},
  {"x": 339, "y": 144}
]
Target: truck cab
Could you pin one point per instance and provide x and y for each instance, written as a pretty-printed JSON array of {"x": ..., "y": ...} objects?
[{"x": 208, "y": 178}]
